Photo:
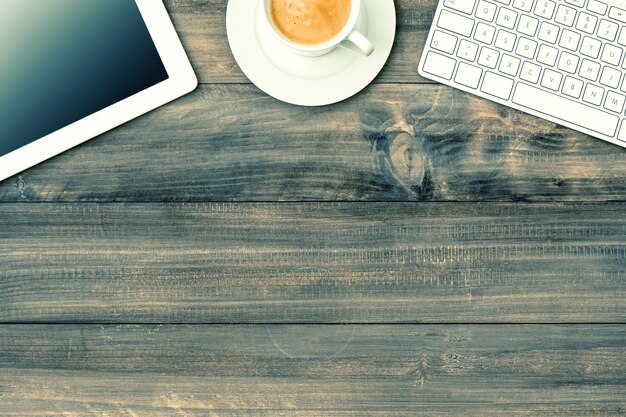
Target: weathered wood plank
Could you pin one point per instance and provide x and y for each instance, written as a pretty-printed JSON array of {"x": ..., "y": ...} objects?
[
  {"x": 393, "y": 142},
  {"x": 525, "y": 370},
  {"x": 313, "y": 263},
  {"x": 201, "y": 26}
]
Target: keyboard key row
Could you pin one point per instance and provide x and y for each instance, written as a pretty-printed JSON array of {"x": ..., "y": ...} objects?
[
  {"x": 510, "y": 19},
  {"x": 501, "y": 86},
  {"x": 526, "y": 47},
  {"x": 546, "y": 55}
]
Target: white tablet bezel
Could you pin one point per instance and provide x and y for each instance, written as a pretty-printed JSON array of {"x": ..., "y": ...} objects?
[{"x": 182, "y": 80}]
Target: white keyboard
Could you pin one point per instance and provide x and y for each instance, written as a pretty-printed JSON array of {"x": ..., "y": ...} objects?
[{"x": 563, "y": 60}]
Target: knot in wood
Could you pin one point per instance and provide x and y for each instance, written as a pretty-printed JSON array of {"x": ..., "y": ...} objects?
[{"x": 406, "y": 158}]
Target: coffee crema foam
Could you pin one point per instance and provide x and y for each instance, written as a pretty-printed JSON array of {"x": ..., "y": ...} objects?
[{"x": 310, "y": 22}]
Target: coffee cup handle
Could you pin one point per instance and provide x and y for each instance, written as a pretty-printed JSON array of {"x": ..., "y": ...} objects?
[{"x": 362, "y": 44}]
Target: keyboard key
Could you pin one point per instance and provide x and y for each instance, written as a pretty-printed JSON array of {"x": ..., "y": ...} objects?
[
  {"x": 467, "y": 50},
  {"x": 443, "y": 41},
  {"x": 622, "y": 132},
  {"x": 507, "y": 18},
  {"x": 614, "y": 102},
  {"x": 526, "y": 48},
  {"x": 505, "y": 40},
  {"x": 565, "y": 15},
  {"x": 565, "y": 109},
  {"x": 439, "y": 65},
  {"x": 455, "y": 23},
  {"x": 547, "y": 55},
  {"x": 463, "y": 6},
  {"x": 548, "y": 32},
  {"x": 611, "y": 54},
  {"x": 591, "y": 47},
  {"x": 545, "y": 9},
  {"x": 551, "y": 79},
  {"x": 486, "y": 11},
  {"x": 569, "y": 40},
  {"x": 468, "y": 75},
  {"x": 618, "y": 14},
  {"x": 589, "y": 70},
  {"x": 577, "y": 3},
  {"x": 622, "y": 37},
  {"x": 587, "y": 23},
  {"x": 572, "y": 87},
  {"x": 593, "y": 94},
  {"x": 524, "y": 5},
  {"x": 509, "y": 65},
  {"x": 610, "y": 77},
  {"x": 530, "y": 72},
  {"x": 597, "y": 7},
  {"x": 527, "y": 25},
  {"x": 484, "y": 33},
  {"x": 623, "y": 88},
  {"x": 607, "y": 30},
  {"x": 488, "y": 57},
  {"x": 568, "y": 62},
  {"x": 497, "y": 86}
]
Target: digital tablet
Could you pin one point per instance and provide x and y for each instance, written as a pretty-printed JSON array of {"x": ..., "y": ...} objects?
[{"x": 73, "y": 69}]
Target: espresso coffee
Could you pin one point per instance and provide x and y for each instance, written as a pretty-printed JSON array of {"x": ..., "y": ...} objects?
[{"x": 310, "y": 22}]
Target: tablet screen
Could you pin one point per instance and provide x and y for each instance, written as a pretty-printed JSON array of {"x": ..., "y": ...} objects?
[{"x": 63, "y": 60}]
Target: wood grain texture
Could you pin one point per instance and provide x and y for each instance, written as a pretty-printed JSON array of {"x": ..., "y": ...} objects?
[
  {"x": 310, "y": 309},
  {"x": 406, "y": 370},
  {"x": 390, "y": 143},
  {"x": 312, "y": 263},
  {"x": 202, "y": 28}
]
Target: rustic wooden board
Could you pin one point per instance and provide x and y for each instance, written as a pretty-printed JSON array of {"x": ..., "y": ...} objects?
[
  {"x": 406, "y": 370},
  {"x": 202, "y": 28},
  {"x": 312, "y": 263},
  {"x": 393, "y": 142}
]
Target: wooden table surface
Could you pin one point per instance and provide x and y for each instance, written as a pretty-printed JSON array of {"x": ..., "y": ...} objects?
[{"x": 411, "y": 251}]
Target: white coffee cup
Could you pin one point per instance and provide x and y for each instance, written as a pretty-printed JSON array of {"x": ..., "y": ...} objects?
[{"x": 348, "y": 37}]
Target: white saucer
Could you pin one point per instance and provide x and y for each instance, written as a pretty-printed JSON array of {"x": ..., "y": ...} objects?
[{"x": 306, "y": 81}]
